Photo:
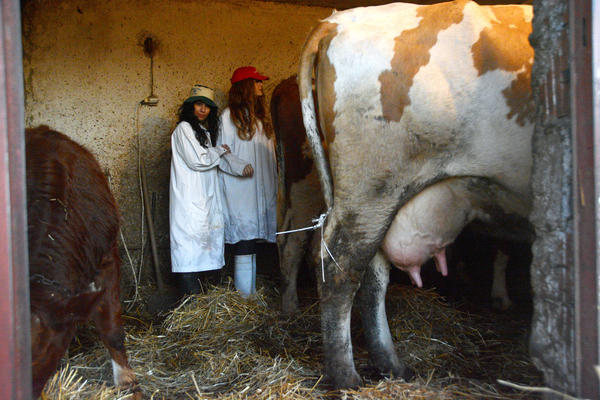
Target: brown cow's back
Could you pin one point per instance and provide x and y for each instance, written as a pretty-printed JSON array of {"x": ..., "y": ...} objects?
[
  {"x": 69, "y": 201},
  {"x": 74, "y": 264}
]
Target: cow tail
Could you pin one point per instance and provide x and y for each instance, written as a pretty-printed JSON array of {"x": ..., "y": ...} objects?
[
  {"x": 282, "y": 194},
  {"x": 307, "y": 62}
]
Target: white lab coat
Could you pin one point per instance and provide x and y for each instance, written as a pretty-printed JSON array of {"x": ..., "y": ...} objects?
[
  {"x": 250, "y": 203},
  {"x": 195, "y": 201}
]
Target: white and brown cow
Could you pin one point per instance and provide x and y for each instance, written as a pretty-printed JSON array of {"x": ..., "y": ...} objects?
[
  {"x": 410, "y": 97},
  {"x": 421, "y": 229}
]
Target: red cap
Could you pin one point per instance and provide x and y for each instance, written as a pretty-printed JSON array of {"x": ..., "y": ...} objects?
[{"x": 248, "y": 72}]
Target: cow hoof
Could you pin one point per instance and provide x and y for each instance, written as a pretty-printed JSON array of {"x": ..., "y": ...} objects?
[
  {"x": 346, "y": 381},
  {"x": 402, "y": 372},
  {"x": 501, "y": 303},
  {"x": 136, "y": 392},
  {"x": 408, "y": 374},
  {"x": 289, "y": 309}
]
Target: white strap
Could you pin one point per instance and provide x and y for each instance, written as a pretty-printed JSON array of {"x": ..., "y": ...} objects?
[{"x": 317, "y": 223}]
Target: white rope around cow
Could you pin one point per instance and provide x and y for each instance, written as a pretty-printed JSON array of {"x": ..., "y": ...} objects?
[{"x": 317, "y": 223}]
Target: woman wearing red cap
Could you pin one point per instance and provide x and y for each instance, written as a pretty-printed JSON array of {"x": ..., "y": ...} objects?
[
  {"x": 195, "y": 199},
  {"x": 250, "y": 203}
]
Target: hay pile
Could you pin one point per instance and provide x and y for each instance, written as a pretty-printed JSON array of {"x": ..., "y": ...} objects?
[{"x": 219, "y": 346}]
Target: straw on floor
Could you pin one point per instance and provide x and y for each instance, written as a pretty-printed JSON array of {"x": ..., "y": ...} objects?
[{"x": 217, "y": 345}]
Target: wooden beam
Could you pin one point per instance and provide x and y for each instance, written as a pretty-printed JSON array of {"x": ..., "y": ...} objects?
[
  {"x": 15, "y": 346},
  {"x": 345, "y": 4},
  {"x": 585, "y": 203}
]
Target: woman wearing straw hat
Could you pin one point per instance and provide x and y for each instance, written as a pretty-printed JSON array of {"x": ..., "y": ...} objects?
[
  {"x": 251, "y": 204},
  {"x": 195, "y": 208}
]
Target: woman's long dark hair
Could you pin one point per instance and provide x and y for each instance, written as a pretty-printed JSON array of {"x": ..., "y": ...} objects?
[
  {"x": 247, "y": 109},
  {"x": 211, "y": 123}
]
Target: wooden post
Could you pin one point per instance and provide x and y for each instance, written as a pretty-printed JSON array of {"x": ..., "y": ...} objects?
[
  {"x": 585, "y": 142},
  {"x": 15, "y": 346}
]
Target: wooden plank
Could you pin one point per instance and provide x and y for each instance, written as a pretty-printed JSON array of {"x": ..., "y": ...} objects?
[
  {"x": 15, "y": 353},
  {"x": 345, "y": 4},
  {"x": 584, "y": 193}
]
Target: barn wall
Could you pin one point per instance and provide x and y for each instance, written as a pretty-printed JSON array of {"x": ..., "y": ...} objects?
[
  {"x": 86, "y": 73},
  {"x": 552, "y": 271}
]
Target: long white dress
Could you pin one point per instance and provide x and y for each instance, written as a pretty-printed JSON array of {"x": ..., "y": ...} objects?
[
  {"x": 195, "y": 201},
  {"x": 250, "y": 203}
]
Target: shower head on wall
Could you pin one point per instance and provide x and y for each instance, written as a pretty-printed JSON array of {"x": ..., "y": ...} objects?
[{"x": 150, "y": 45}]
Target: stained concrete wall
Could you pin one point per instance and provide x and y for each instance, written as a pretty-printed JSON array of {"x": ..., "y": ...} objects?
[{"x": 86, "y": 73}]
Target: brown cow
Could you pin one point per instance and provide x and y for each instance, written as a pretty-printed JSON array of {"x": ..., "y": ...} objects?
[
  {"x": 74, "y": 263},
  {"x": 300, "y": 197}
]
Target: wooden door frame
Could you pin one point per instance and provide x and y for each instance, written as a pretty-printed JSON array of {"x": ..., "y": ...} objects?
[
  {"x": 586, "y": 143},
  {"x": 15, "y": 348},
  {"x": 15, "y": 381}
]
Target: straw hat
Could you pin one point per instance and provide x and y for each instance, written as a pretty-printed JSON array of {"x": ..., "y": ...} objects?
[{"x": 202, "y": 93}]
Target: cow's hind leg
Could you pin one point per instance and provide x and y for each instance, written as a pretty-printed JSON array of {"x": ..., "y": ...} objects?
[
  {"x": 292, "y": 248},
  {"x": 500, "y": 299},
  {"x": 109, "y": 324},
  {"x": 336, "y": 307},
  {"x": 342, "y": 277},
  {"x": 47, "y": 346},
  {"x": 371, "y": 297}
]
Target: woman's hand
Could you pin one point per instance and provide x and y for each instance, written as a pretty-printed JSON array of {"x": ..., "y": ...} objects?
[
  {"x": 227, "y": 149},
  {"x": 248, "y": 171}
]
